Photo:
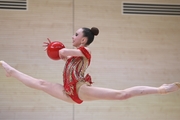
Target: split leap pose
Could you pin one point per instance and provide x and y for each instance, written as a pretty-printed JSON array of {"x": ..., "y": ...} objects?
[{"x": 77, "y": 86}]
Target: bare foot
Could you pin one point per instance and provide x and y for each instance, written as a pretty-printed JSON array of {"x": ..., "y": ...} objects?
[
  {"x": 7, "y": 68},
  {"x": 178, "y": 84},
  {"x": 167, "y": 88}
]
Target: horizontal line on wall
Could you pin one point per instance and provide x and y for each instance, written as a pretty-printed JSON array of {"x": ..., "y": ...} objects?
[
  {"x": 151, "y": 9},
  {"x": 13, "y": 4}
]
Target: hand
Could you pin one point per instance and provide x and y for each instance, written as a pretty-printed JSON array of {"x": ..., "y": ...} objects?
[{"x": 46, "y": 44}]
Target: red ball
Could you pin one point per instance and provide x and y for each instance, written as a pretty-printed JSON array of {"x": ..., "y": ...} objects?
[{"x": 53, "y": 50}]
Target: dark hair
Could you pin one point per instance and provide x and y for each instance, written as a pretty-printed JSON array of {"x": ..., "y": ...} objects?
[{"x": 90, "y": 33}]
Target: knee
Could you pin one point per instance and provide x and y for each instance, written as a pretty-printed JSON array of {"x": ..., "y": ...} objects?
[
  {"x": 123, "y": 95},
  {"x": 41, "y": 84}
]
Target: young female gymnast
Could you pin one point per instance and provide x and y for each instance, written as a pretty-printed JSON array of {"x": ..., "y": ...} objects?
[{"x": 77, "y": 87}]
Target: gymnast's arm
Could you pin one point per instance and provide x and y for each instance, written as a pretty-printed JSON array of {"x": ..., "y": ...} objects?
[{"x": 67, "y": 53}]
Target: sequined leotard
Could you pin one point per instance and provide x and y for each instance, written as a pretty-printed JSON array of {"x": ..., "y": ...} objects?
[{"x": 74, "y": 70}]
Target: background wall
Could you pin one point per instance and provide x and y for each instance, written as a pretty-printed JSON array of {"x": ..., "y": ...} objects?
[{"x": 130, "y": 50}]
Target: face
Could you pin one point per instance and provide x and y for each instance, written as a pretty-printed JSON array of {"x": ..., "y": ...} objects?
[{"x": 78, "y": 38}]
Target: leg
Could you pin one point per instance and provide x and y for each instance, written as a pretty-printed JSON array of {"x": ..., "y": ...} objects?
[
  {"x": 95, "y": 93},
  {"x": 53, "y": 89}
]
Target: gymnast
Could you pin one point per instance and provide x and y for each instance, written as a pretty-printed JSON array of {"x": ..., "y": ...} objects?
[{"x": 77, "y": 86}]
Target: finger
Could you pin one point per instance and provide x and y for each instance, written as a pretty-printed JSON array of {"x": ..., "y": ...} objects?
[
  {"x": 46, "y": 43},
  {"x": 49, "y": 40}
]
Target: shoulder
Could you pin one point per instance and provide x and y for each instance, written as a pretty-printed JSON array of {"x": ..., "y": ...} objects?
[
  {"x": 88, "y": 49},
  {"x": 84, "y": 49}
]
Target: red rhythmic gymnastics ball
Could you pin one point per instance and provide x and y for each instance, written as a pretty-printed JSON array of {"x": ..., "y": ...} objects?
[{"x": 53, "y": 50}]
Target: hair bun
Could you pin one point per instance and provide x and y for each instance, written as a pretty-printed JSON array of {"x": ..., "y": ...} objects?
[{"x": 95, "y": 31}]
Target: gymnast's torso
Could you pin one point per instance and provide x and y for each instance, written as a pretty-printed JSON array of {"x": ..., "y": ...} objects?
[{"x": 74, "y": 71}]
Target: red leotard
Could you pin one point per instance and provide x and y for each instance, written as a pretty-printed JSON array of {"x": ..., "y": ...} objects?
[{"x": 74, "y": 70}]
